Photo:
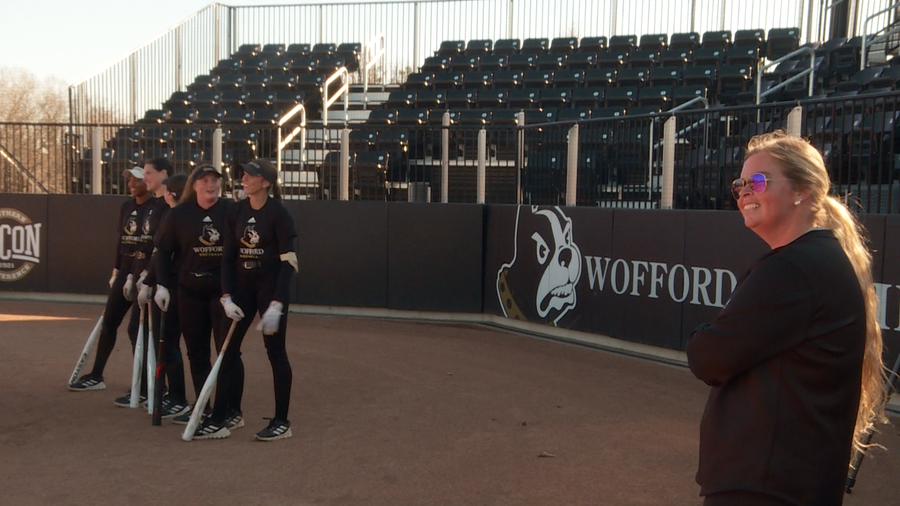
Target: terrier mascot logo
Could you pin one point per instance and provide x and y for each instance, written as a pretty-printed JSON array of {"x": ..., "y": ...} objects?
[
  {"x": 251, "y": 237},
  {"x": 210, "y": 235},
  {"x": 544, "y": 251}
]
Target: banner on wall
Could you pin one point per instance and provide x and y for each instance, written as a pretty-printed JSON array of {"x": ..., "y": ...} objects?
[{"x": 621, "y": 274}]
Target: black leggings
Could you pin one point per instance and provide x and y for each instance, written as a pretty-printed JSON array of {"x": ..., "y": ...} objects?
[
  {"x": 201, "y": 313},
  {"x": 253, "y": 295},
  {"x": 116, "y": 308},
  {"x": 170, "y": 334}
]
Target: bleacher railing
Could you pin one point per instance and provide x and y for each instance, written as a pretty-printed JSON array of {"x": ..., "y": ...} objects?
[
  {"x": 683, "y": 159},
  {"x": 144, "y": 78}
]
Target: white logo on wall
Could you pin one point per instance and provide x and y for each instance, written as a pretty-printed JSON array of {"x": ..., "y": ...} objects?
[
  {"x": 544, "y": 250},
  {"x": 20, "y": 244}
]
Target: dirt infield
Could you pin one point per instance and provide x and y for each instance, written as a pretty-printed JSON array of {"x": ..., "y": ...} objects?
[{"x": 383, "y": 412}]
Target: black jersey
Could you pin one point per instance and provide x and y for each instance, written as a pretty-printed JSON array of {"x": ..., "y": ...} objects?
[
  {"x": 149, "y": 228},
  {"x": 131, "y": 216},
  {"x": 191, "y": 237},
  {"x": 254, "y": 243}
]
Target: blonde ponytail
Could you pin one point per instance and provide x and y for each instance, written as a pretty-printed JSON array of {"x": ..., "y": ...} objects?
[{"x": 803, "y": 165}]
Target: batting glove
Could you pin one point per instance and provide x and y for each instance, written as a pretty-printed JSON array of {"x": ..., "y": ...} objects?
[
  {"x": 232, "y": 310},
  {"x": 144, "y": 295},
  {"x": 162, "y": 297},
  {"x": 112, "y": 279},
  {"x": 141, "y": 278},
  {"x": 268, "y": 324},
  {"x": 129, "y": 286}
]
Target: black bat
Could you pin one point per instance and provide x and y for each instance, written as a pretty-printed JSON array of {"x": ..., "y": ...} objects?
[{"x": 160, "y": 372}]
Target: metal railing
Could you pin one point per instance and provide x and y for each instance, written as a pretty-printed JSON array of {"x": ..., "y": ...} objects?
[
  {"x": 886, "y": 18},
  {"x": 681, "y": 159}
]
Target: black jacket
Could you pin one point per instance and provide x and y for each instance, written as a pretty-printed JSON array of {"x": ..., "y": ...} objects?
[{"x": 784, "y": 358}]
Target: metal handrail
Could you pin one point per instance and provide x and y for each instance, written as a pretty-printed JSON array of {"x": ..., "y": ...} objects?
[
  {"x": 5, "y": 153},
  {"x": 299, "y": 108},
  {"x": 344, "y": 89},
  {"x": 875, "y": 40},
  {"x": 811, "y": 71},
  {"x": 862, "y": 58},
  {"x": 682, "y": 107},
  {"x": 370, "y": 62}
]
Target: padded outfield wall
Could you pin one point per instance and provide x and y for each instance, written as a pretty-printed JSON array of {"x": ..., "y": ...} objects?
[{"x": 643, "y": 276}]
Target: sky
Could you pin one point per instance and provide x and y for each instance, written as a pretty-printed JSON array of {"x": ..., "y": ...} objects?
[{"x": 71, "y": 40}]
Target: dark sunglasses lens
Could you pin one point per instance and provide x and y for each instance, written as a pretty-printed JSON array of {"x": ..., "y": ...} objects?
[
  {"x": 757, "y": 182},
  {"x": 736, "y": 186}
]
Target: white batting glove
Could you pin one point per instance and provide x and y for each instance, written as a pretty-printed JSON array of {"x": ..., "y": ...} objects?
[
  {"x": 232, "y": 310},
  {"x": 162, "y": 297},
  {"x": 129, "y": 286},
  {"x": 112, "y": 279},
  {"x": 141, "y": 278},
  {"x": 144, "y": 295},
  {"x": 268, "y": 324}
]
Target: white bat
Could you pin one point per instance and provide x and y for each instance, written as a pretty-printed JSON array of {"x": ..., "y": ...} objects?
[
  {"x": 151, "y": 363},
  {"x": 203, "y": 398},
  {"x": 138, "y": 363},
  {"x": 88, "y": 348}
]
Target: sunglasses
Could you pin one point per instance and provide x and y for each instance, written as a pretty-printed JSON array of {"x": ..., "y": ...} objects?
[{"x": 756, "y": 182}]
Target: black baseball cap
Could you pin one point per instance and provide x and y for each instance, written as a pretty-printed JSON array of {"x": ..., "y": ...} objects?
[
  {"x": 260, "y": 167},
  {"x": 204, "y": 170},
  {"x": 175, "y": 184}
]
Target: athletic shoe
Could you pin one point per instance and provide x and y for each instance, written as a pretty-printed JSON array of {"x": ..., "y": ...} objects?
[
  {"x": 125, "y": 401},
  {"x": 235, "y": 420},
  {"x": 176, "y": 408},
  {"x": 277, "y": 429},
  {"x": 185, "y": 417},
  {"x": 86, "y": 383},
  {"x": 211, "y": 430}
]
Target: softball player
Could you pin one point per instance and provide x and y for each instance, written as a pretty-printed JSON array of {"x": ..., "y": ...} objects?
[
  {"x": 121, "y": 284},
  {"x": 190, "y": 238},
  {"x": 257, "y": 266},
  {"x": 156, "y": 176}
]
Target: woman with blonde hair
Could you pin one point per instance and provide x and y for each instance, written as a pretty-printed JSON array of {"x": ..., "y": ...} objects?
[{"x": 794, "y": 357}]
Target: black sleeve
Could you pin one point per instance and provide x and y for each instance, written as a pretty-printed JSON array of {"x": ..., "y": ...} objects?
[
  {"x": 118, "y": 261},
  {"x": 768, "y": 314},
  {"x": 230, "y": 250},
  {"x": 285, "y": 233},
  {"x": 165, "y": 250}
]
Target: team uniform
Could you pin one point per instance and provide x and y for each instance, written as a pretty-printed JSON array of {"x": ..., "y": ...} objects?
[
  {"x": 254, "y": 273},
  {"x": 175, "y": 401},
  {"x": 190, "y": 238},
  {"x": 129, "y": 250}
]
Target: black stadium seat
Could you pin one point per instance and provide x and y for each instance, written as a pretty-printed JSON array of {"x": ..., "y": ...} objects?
[
  {"x": 689, "y": 41},
  {"x": 479, "y": 47},
  {"x": 781, "y": 42},
  {"x": 593, "y": 45},
  {"x": 506, "y": 46}
]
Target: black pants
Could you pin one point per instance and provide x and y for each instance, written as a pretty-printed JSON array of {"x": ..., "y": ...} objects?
[
  {"x": 170, "y": 336},
  {"x": 200, "y": 313},
  {"x": 253, "y": 295},
  {"x": 117, "y": 307}
]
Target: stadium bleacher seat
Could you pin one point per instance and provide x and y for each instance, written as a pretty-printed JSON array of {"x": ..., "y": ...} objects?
[
  {"x": 247, "y": 51},
  {"x": 451, "y": 48},
  {"x": 506, "y": 46},
  {"x": 751, "y": 38},
  {"x": 622, "y": 43},
  {"x": 593, "y": 45},
  {"x": 689, "y": 41},
  {"x": 656, "y": 43},
  {"x": 297, "y": 50},
  {"x": 720, "y": 39},
  {"x": 534, "y": 46},
  {"x": 506, "y": 79},
  {"x": 781, "y": 42},
  {"x": 464, "y": 63},
  {"x": 564, "y": 45},
  {"x": 521, "y": 62},
  {"x": 675, "y": 58},
  {"x": 492, "y": 62},
  {"x": 581, "y": 61},
  {"x": 479, "y": 47}
]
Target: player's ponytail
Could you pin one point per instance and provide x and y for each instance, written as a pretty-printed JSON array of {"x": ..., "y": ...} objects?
[{"x": 803, "y": 165}]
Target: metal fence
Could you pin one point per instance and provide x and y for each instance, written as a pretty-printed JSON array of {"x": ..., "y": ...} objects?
[
  {"x": 146, "y": 77},
  {"x": 683, "y": 160}
]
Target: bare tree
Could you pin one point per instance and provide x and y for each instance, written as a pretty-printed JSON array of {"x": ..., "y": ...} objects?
[{"x": 32, "y": 156}]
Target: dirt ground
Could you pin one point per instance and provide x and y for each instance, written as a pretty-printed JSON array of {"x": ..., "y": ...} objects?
[{"x": 383, "y": 412}]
